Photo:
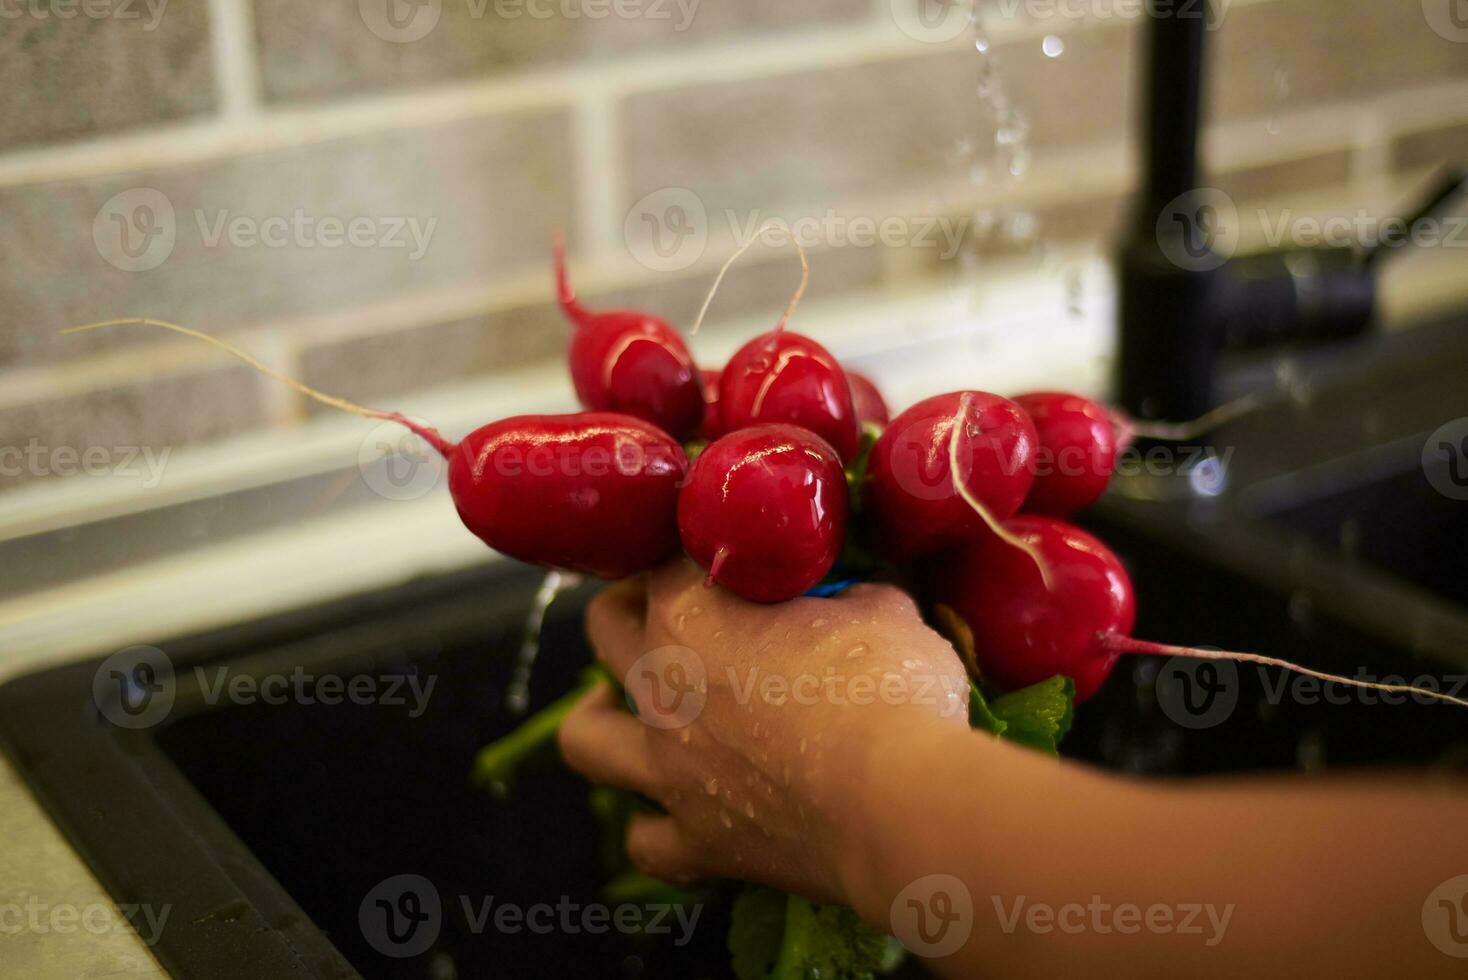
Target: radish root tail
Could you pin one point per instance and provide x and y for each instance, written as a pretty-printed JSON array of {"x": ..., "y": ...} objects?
[
  {"x": 1130, "y": 428},
  {"x": 729, "y": 262},
  {"x": 960, "y": 422},
  {"x": 1125, "y": 644},
  {"x": 428, "y": 433}
]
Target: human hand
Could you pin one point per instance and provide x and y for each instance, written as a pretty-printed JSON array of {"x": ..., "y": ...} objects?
[{"x": 755, "y": 723}]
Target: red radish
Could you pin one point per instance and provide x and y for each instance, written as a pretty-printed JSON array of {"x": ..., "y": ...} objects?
[
  {"x": 784, "y": 377},
  {"x": 713, "y": 421},
  {"x": 764, "y": 511},
  {"x": 919, "y": 502},
  {"x": 1025, "y": 631},
  {"x": 1077, "y": 452},
  {"x": 625, "y": 361},
  {"x": 867, "y": 399},
  {"x": 594, "y": 492}
]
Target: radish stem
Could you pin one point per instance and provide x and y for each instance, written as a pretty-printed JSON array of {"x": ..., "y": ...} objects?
[
  {"x": 1117, "y": 643},
  {"x": 1129, "y": 428},
  {"x": 427, "y": 433}
]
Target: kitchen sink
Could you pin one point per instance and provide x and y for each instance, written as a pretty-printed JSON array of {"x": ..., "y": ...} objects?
[{"x": 282, "y": 834}]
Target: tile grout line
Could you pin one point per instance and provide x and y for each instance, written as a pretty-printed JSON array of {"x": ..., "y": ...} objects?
[{"x": 232, "y": 37}]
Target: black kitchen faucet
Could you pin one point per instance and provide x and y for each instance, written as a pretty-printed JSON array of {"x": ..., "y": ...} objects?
[{"x": 1183, "y": 297}]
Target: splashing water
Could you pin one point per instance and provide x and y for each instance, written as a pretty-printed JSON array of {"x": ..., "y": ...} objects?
[{"x": 517, "y": 692}]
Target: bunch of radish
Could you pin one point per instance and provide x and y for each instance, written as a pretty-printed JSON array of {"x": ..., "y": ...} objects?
[{"x": 799, "y": 476}]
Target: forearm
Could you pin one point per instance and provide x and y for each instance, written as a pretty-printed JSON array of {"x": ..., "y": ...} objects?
[{"x": 1065, "y": 865}]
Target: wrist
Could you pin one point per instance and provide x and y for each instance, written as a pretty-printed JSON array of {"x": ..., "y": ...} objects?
[{"x": 892, "y": 776}]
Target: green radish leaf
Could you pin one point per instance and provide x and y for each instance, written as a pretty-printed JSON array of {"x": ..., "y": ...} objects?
[
  {"x": 756, "y": 929},
  {"x": 979, "y": 713},
  {"x": 829, "y": 942},
  {"x": 1038, "y": 715},
  {"x": 497, "y": 763}
]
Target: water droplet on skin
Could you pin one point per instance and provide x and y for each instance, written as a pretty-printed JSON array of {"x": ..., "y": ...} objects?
[
  {"x": 818, "y": 622},
  {"x": 728, "y": 823},
  {"x": 680, "y": 622},
  {"x": 803, "y": 743},
  {"x": 757, "y": 730},
  {"x": 749, "y": 810},
  {"x": 718, "y": 634},
  {"x": 695, "y": 610},
  {"x": 685, "y": 736},
  {"x": 711, "y": 787},
  {"x": 911, "y": 664},
  {"x": 856, "y": 652}
]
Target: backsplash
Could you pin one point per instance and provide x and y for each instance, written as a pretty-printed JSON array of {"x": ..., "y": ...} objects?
[{"x": 363, "y": 193}]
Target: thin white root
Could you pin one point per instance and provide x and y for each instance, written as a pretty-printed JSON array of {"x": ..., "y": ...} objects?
[
  {"x": 1183, "y": 431},
  {"x": 729, "y": 262},
  {"x": 1000, "y": 531},
  {"x": 1127, "y": 644}
]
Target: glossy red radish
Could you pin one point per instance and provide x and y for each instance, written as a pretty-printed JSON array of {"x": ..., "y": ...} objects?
[
  {"x": 784, "y": 377},
  {"x": 713, "y": 421},
  {"x": 631, "y": 362},
  {"x": 1024, "y": 631},
  {"x": 593, "y": 492},
  {"x": 1076, "y": 454},
  {"x": 867, "y": 399},
  {"x": 764, "y": 511},
  {"x": 918, "y": 502}
]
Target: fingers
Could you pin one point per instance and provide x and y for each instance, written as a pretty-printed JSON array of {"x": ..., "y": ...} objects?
[
  {"x": 656, "y": 847},
  {"x": 616, "y": 624},
  {"x": 607, "y": 745}
]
